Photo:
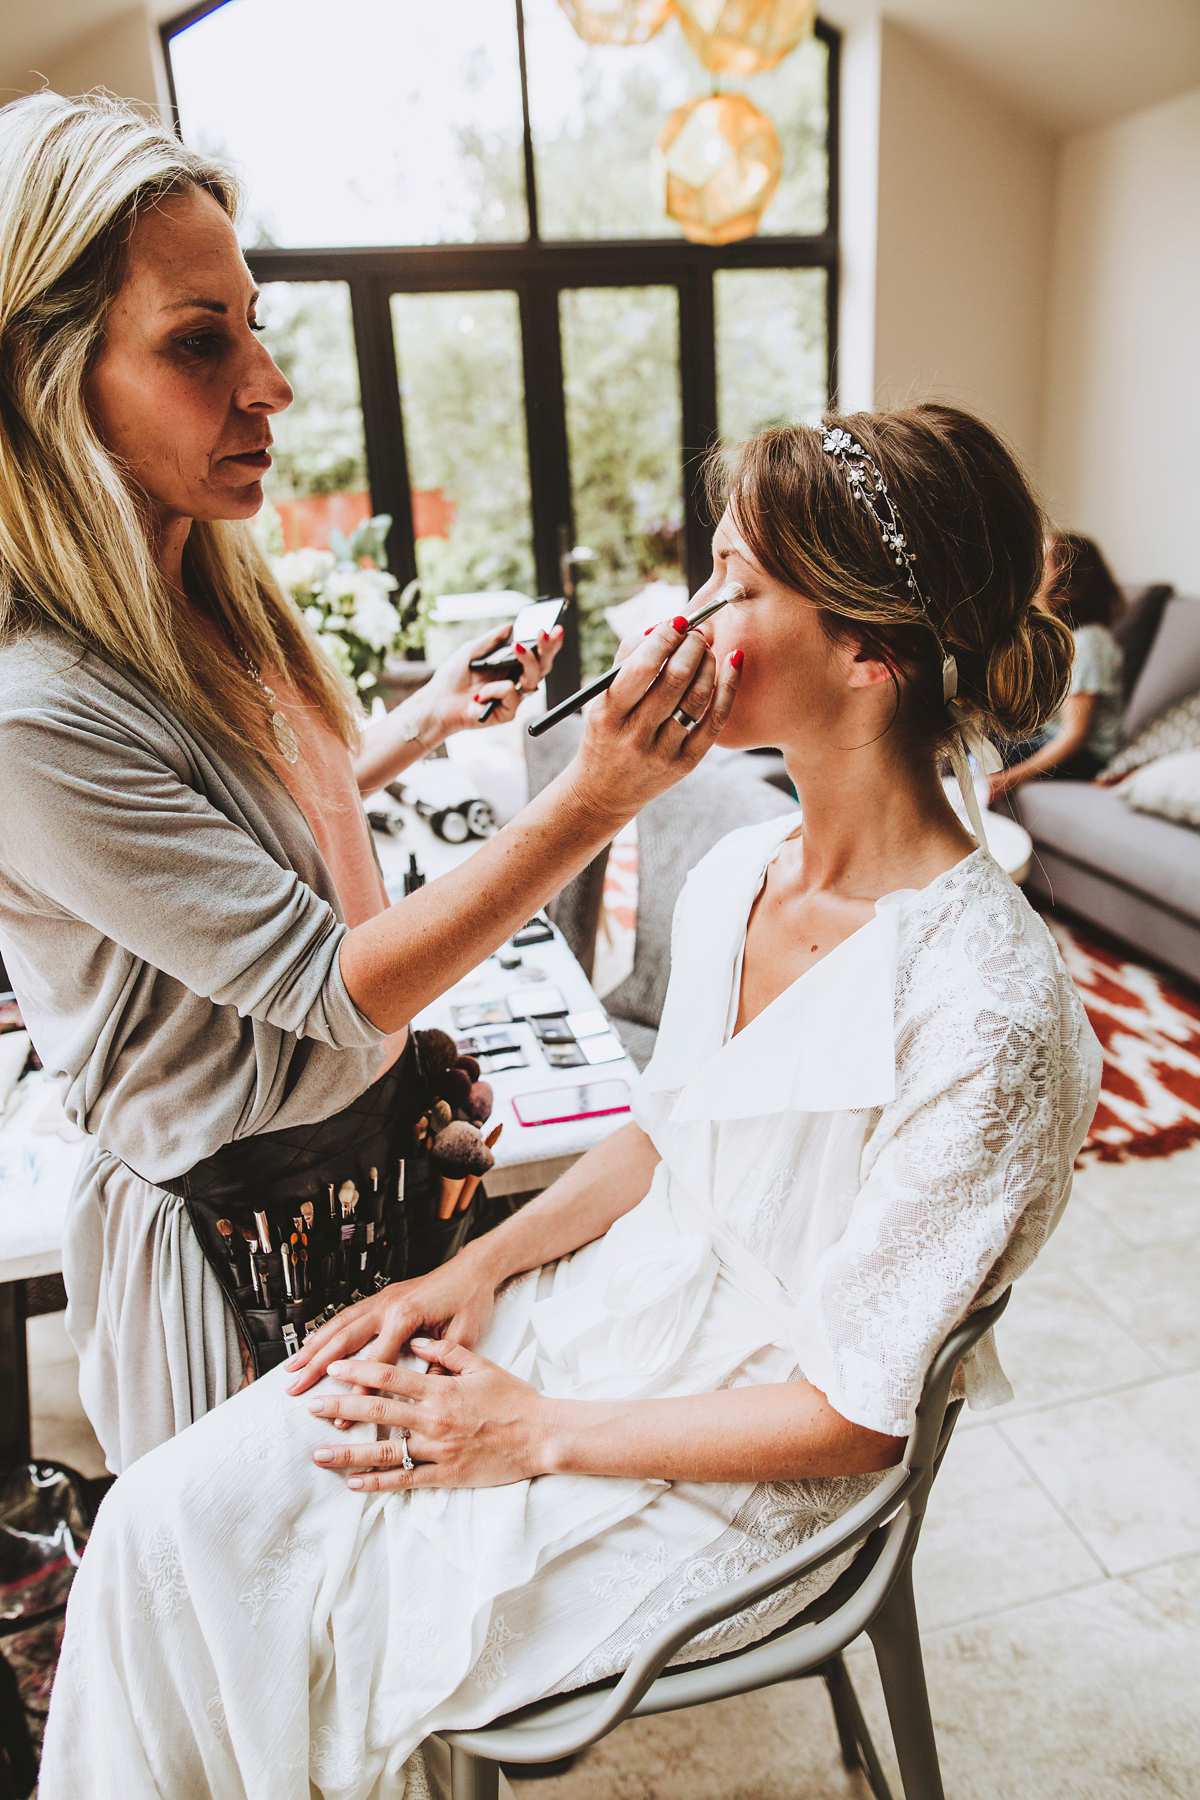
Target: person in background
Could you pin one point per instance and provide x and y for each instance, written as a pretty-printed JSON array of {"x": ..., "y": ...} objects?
[{"x": 1078, "y": 588}]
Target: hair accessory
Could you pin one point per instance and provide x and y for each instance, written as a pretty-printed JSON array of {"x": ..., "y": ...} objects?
[{"x": 867, "y": 484}]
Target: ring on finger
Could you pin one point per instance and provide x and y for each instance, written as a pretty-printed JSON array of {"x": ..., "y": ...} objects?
[
  {"x": 684, "y": 719},
  {"x": 406, "y": 1461}
]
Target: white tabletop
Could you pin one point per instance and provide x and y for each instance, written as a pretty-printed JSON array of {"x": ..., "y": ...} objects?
[{"x": 527, "y": 1156}]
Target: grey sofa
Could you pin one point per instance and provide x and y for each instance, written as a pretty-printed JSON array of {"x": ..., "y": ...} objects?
[{"x": 1134, "y": 874}]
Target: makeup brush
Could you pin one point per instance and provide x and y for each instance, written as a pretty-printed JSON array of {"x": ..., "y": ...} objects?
[
  {"x": 733, "y": 590},
  {"x": 252, "y": 1247},
  {"x": 226, "y": 1231}
]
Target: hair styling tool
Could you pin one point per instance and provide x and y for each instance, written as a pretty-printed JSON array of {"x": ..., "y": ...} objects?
[{"x": 733, "y": 590}]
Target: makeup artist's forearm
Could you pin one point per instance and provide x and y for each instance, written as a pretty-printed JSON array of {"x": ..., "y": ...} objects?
[
  {"x": 385, "y": 752},
  {"x": 784, "y": 1432},
  {"x": 401, "y": 960},
  {"x": 606, "y": 1182}
]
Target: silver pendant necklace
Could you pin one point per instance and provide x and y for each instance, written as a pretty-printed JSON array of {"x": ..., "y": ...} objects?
[{"x": 286, "y": 741}]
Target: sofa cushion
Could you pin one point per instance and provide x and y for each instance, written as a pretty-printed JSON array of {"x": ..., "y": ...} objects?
[
  {"x": 1172, "y": 668},
  {"x": 1135, "y": 629},
  {"x": 1169, "y": 787},
  {"x": 1173, "y": 731},
  {"x": 1094, "y": 827}
]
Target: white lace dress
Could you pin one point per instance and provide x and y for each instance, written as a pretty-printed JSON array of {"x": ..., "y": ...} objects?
[{"x": 889, "y": 1141}]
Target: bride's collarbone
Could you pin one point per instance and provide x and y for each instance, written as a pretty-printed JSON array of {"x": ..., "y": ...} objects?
[{"x": 786, "y": 936}]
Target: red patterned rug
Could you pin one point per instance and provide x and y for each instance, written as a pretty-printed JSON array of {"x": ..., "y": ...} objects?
[{"x": 1149, "y": 1030}]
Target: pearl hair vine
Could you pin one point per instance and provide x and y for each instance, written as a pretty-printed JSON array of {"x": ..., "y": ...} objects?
[{"x": 866, "y": 482}]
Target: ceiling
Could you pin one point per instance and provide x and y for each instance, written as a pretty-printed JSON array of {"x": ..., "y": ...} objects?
[{"x": 1066, "y": 64}]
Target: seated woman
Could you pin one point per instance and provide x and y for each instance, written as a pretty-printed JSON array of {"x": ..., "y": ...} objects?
[
  {"x": 1079, "y": 589},
  {"x": 709, "y": 1337}
]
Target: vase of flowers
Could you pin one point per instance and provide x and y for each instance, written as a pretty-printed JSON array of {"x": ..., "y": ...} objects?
[{"x": 345, "y": 595}]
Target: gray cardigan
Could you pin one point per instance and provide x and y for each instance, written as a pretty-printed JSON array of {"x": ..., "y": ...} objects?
[
  {"x": 169, "y": 925},
  {"x": 172, "y": 933}
]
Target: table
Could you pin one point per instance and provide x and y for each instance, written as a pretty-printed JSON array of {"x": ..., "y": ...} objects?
[{"x": 527, "y": 1157}]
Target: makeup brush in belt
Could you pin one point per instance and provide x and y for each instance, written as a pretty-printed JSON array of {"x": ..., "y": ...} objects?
[{"x": 733, "y": 590}]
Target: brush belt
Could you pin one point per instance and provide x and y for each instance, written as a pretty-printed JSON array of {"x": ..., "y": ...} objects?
[{"x": 351, "y": 1248}]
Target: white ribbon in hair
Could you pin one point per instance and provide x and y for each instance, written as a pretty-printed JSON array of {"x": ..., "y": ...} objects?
[{"x": 967, "y": 741}]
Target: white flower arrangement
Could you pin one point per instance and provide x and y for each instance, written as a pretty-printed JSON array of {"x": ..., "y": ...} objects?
[{"x": 343, "y": 594}]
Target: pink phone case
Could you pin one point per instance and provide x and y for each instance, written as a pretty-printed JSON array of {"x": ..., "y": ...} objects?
[{"x": 558, "y": 1106}]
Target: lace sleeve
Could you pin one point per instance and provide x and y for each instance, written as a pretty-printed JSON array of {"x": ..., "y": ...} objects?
[{"x": 965, "y": 1177}]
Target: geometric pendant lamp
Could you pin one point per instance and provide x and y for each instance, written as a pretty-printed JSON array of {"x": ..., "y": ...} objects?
[
  {"x": 617, "y": 21},
  {"x": 744, "y": 37},
  {"x": 721, "y": 158}
]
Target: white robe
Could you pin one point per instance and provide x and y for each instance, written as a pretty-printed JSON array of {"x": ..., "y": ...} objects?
[{"x": 889, "y": 1142}]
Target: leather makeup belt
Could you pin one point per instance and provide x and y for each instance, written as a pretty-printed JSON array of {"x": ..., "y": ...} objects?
[{"x": 297, "y": 1224}]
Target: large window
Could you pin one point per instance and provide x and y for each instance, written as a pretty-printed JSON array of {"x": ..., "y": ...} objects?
[{"x": 493, "y": 331}]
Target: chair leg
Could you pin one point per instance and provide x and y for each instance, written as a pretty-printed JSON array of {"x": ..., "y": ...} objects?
[
  {"x": 896, "y": 1639},
  {"x": 473, "y": 1777},
  {"x": 858, "y": 1751}
]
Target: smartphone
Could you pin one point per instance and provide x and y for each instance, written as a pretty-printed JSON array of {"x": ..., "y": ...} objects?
[
  {"x": 500, "y": 664},
  {"x": 558, "y": 1105}
]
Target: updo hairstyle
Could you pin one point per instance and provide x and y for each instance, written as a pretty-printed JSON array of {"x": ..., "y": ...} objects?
[{"x": 974, "y": 532}]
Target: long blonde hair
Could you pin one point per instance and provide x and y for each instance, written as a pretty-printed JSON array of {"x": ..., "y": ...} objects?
[{"x": 75, "y": 549}]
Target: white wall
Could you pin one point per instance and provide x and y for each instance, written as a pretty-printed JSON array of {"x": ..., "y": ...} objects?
[
  {"x": 1122, "y": 439},
  {"x": 122, "y": 55},
  {"x": 963, "y": 243}
]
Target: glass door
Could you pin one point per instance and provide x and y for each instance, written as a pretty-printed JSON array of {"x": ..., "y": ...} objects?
[
  {"x": 624, "y": 413},
  {"x": 462, "y": 398}
]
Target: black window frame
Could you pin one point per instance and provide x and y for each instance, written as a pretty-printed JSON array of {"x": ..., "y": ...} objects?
[{"x": 538, "y": 270}]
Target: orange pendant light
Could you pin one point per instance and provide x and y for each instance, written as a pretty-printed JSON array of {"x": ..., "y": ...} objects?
[
  {"x": 617, "y": 21},
  {"x": 721, "y": 158},
  {"x": 744, "y": 37}
]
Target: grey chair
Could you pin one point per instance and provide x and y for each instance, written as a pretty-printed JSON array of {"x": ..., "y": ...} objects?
[
  {"x": 576, "y": 908},
  {"x": 874, "y": 1595},
  {"x": 674, "y": 832}
]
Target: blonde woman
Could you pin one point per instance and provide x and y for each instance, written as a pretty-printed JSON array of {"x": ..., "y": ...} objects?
[
  {"x": 706, "y": 1340},
  {"x": 190, "y": 910}
]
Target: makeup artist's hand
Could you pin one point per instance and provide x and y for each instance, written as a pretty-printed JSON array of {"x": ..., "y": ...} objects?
[
  {"x": 457, "y": 695},
  {"x": 483, "y": 1428},
  {"x": 633, "y": 748},
  {"x": 453, "y": 1303}
]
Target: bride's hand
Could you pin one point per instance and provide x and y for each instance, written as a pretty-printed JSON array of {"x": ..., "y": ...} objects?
[
  {"x": 483, "y": 1428},
  {"x": 454, "y": 1301}
]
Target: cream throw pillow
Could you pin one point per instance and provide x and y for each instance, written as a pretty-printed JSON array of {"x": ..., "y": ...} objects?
[{"x": 1170, "y": 787}]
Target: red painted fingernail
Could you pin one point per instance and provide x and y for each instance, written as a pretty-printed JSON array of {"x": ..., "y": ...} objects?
[
  {"x": 679, "y": 623},
  {"x": 648, "y": 630},
  {"x": 520, "y": 648},
  {"x": 475, "y": 698},
  {"x": 736, "y": 658}
]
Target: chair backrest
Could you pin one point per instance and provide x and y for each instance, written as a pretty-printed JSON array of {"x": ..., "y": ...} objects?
[
  {"x": 674, "y": 832},
  {"x": 890, "y": 1516},
  {"x": 576, "y": 908}
]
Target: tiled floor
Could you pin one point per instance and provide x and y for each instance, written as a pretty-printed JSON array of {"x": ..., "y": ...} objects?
[{"x": 1058, "y": 1577}]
